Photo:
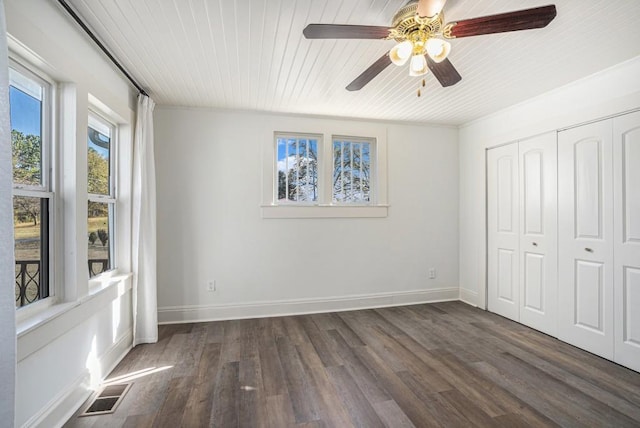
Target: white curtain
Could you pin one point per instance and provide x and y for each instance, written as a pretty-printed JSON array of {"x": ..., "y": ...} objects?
[
  {"x": 143, "y": 251},
  {"x": 7, "y": 261}
]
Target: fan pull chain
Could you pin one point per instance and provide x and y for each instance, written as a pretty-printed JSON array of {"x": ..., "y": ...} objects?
[{"x": 424, "y": 83}]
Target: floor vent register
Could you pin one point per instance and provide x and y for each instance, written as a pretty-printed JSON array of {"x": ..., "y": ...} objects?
[{"x": 107, "y": 400}]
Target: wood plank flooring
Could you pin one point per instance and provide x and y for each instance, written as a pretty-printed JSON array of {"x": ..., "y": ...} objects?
[{"x": 443, "y": 364}]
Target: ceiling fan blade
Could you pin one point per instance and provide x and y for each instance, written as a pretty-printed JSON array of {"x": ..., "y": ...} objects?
[
  {"x": 511, "y": 21},
  {"x": 335, "y": 31},
  {"x": 430, "y": 8},
  {"x": 444, "y": 71},
  {"x": 383, "y": 62}
]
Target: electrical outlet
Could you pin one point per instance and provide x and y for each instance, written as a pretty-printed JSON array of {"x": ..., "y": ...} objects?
[
  {"x": 432, "y": 273},
  {"x": 211, "y": 285}
]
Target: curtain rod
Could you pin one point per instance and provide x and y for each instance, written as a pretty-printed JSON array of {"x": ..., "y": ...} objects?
[{"x": 86, "y": 29}]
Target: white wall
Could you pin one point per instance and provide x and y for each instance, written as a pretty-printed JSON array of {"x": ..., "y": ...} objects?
[
  {"x": 209, "y": 170},
  {"x": 65, "y": 350},
  {"x": 610, "y": 92}
]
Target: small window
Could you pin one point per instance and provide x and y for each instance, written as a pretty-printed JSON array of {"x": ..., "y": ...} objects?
[
  {"x": 352, "y": 170},
  {"x": 297, "y": 166},
  {"x": 32, "y": 192},
  {"x": 101, "y": 189},
  {"x": 324, "y": 174}
]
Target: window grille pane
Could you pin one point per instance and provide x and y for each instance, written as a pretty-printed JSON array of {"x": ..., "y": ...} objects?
[
  {"x": 297, "y": 166},
  {"x": 31, "y": 232},
  {"x": 25, "y": 100},
  {"x": 365, "y": 183},
  {"x": 98, "y": 158},
  {"x": 351, "y": 171},
  {"x": 100, "y": 215}
]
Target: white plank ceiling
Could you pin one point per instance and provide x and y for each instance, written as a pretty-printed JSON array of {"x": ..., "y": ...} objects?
[{"x": 251, "y": 55}]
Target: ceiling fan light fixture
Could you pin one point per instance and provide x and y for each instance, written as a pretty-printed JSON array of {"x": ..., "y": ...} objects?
[
  {"x": 438, "y": 49},
  {"x": 418, "y": 65},
  {"x": 401, "y": 52}
]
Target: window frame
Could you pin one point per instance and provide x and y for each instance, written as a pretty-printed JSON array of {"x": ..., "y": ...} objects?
[
  {"x": 319, "y": 149},
  {"x": 373, "y": 189},
  {"x": 47, "y": 188},
  {"x": 324, "y": 208},
  {"x": 111, "y": 199},
  {"x": 46, "y": 128}
]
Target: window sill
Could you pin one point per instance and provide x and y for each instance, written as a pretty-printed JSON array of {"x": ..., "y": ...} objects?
[
  {"x": 43, "y": 327},
  {"x": 37, "y": 319},
  {"x": 104, "y": 280},
  {"x": 324, "y": 211}
]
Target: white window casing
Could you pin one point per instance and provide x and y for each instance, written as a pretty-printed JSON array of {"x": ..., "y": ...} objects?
[
  {"x": 325, "y": 206},
  {"x": 37, "y": 85}
]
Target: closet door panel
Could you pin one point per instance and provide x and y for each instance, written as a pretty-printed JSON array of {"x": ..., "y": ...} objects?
[
  {"x": 626, "y": 152},
  {"x": 533, "y": 285},
  {"x": 585, "y": 213},
  {"x": 589, "y": 295},
  {"x": 538, "y": 232},
  {"x": 506, "y": 266},
  {"x": 503, "y": 229},
  {"x": 588, "y": 164},
  {"x": 630, "y": 299}
]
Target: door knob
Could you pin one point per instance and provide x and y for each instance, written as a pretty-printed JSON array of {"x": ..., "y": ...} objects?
[
  {"x": 589, "y": 250},
  {"x": 535, "y": 244}
]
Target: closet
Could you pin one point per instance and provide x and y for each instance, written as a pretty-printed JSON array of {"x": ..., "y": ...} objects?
[{"x": 563, "y": 235}]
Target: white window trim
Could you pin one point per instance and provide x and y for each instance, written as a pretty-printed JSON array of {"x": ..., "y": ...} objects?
[
  {"x": 325, "y": 208},
  {"x": 325, "y": 211},
  {"x": 47, "y": 188}
]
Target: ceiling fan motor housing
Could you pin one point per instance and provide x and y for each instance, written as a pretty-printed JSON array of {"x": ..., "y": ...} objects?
[{"x": 406, "y": 23}]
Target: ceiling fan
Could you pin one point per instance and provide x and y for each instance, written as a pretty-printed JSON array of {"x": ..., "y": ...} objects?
[{"x": 420, "y": 30}]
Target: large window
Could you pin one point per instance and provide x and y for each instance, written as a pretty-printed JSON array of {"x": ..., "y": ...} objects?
[
  {"x": 30, "y": 112},
  {"x": 102, "y": 194}
]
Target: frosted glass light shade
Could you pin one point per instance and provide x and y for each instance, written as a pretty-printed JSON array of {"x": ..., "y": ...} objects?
[
  {"x": 401, "y": 52},
  {"x": 438, "y": 49},
  {"x": 418, "y": 66}
]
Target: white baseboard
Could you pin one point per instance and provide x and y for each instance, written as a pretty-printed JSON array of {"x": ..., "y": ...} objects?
[
  {"x": 58, "y": 410},
  {"x": 68, "y": 401},
  {"x": 469, "y": 297},
  {"x": 201, "y": 313}
]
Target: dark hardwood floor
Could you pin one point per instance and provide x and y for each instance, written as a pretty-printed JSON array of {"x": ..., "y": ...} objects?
[{"x": 444, "y": 364}]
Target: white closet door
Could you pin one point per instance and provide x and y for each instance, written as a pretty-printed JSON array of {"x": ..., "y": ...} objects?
[
  {"x": 503, "y": 231},
  {"x": 538, "y": 233},
  {"x": 585, "y": 223},
  {"x": 626, "y": 155}
]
